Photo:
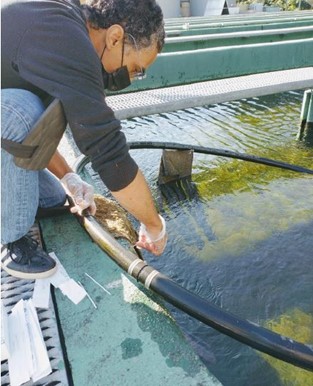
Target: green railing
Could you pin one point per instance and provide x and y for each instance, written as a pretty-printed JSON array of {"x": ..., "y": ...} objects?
[
  {"x": 225, "y": 39},
  {"x": 185, "y": 67}
]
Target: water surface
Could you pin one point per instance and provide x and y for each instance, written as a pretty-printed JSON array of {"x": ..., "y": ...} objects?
[{"x": 242, "y": 236}]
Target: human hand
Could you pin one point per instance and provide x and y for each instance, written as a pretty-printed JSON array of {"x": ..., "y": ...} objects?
[
  {"x": 81, "y": 192},
  {"x": 151, "y": 242}
]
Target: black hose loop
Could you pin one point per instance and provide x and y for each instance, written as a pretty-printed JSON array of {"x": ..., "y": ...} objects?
[
  {"x": 255, "y": 336},
  {"x": 83, "y": 160}
]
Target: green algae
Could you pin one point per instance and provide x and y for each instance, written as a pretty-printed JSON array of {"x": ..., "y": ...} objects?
[{"x": 295, "y": 325}]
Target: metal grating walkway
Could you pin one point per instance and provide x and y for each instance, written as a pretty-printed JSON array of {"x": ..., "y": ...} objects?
[
  {"x": 210, "y": 92},
  {"x": 13, "y": 290}
]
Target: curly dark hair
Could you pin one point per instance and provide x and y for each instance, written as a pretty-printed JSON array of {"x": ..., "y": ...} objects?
[{"x": 141, "y": 19}]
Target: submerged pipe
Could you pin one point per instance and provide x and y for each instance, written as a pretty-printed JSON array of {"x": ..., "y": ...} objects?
[{"x": 253, "y": 335}]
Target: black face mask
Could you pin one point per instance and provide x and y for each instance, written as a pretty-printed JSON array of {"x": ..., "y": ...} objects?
[{"x": 117, "y": 80}]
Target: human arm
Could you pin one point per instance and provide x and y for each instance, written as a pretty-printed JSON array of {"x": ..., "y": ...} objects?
[
  {"x": 58, "y": 165},
  {"x": 136, "y": 198},
  {"x": 79, "y": 190}
]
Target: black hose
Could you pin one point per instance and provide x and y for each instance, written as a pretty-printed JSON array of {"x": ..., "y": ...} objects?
[
  {"x": 255, "y": 336},
  {"x": 82, "y": 161},
  {"x": 219, "y": 152}
]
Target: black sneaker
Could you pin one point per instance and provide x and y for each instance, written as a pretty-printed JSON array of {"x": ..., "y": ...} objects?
[{"x": 25, "y": 259}]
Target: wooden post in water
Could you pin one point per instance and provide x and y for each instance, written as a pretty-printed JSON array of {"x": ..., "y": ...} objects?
[{"x": 305, "y": 133}]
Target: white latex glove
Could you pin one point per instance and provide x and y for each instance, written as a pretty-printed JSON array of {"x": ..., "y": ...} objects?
[
  {"x": 156, "y": 244},
  {"x": 81, "y": 192}
]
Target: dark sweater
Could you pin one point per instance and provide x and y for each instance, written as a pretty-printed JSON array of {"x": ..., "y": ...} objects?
[{"x": 46, "y": 49}]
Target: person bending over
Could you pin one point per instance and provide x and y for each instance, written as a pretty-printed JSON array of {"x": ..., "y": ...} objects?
[{"x": 72, "y": 52}]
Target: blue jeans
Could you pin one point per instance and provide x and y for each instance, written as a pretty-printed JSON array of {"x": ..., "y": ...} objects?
[{"x": 22, "y": 191}]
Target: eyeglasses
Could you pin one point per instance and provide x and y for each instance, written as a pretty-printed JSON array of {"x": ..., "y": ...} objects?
[{"x": 141, "y": 74}]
